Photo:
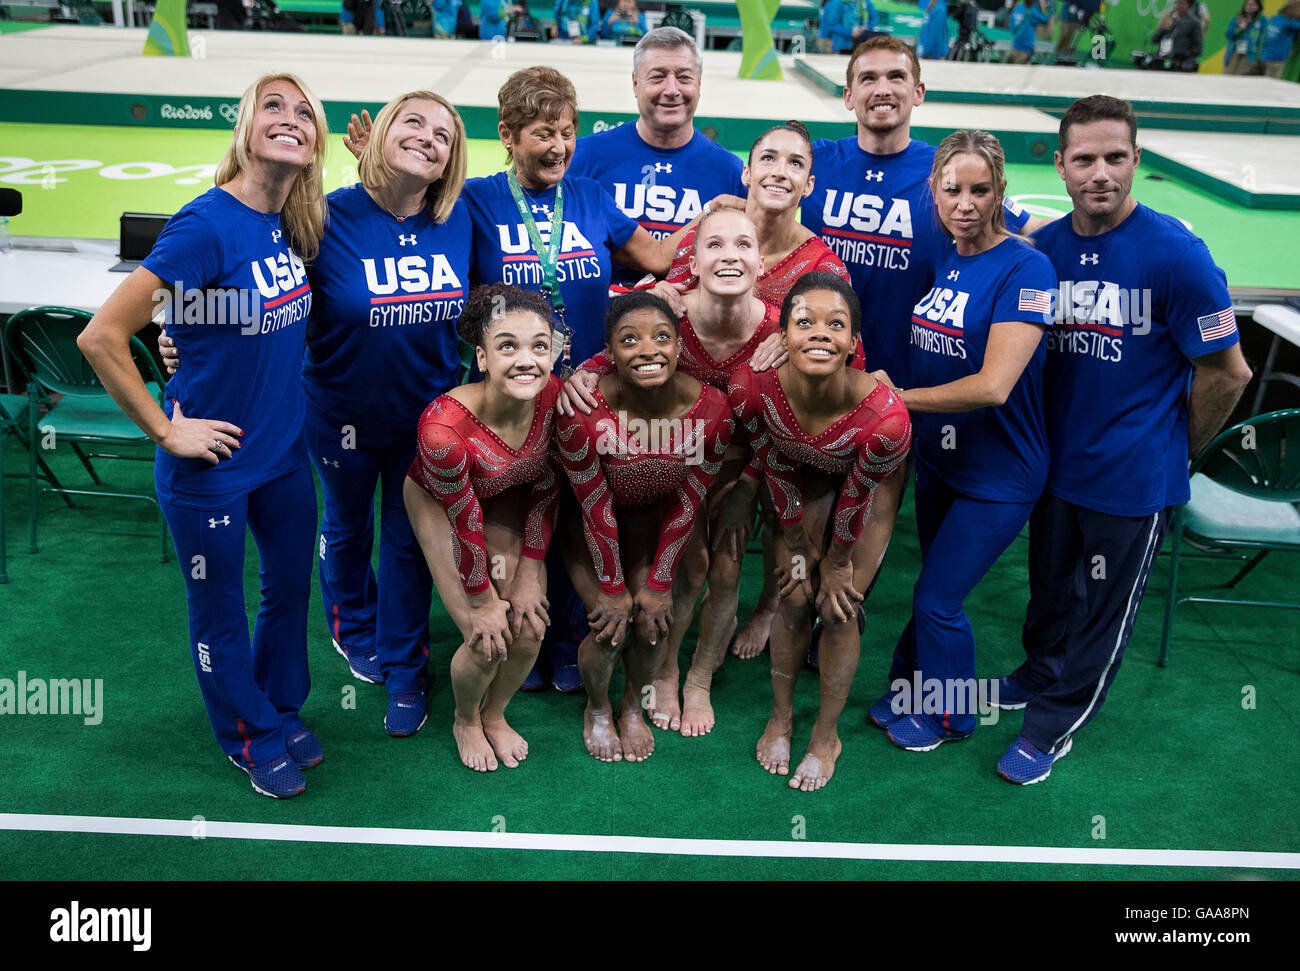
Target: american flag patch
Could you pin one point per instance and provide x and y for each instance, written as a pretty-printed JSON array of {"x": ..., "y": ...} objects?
[
  {"x": 1036, "y": 301},
  {"x": 1214, "y": 326}
]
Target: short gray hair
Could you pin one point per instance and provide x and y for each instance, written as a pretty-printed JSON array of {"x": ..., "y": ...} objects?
[{"x": 666, "y": 38}]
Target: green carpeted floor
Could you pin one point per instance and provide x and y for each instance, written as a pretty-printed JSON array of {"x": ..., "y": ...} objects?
[{"x": 1174, "y": 761}]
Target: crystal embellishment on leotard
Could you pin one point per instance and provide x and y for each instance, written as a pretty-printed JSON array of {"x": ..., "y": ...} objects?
[
  {"x": 870, "y": 441},
  {"x": 457, "y": 466},
  {"x": 485, "y": 454},
  {"x": 612, "y": 469},
  {"x": 540, "y": 513}
]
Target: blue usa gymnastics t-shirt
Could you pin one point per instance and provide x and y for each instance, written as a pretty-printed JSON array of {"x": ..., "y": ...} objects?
[
  {"x": 239, "y": 328},
  {"x": 1136, "y": 303},
  {"x": 381, "y": 340},
  {"x": 661, "y": 188},
  {"x": 876, "y": 212},
  {"x": 593, "y": 227},
  {"x": 997, "y": 454}
]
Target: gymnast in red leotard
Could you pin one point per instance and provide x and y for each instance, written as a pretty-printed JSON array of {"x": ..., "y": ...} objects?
[
  {"x": 724, "y": 327},
  {"x": 779, "y": 177},
  {"x": 830, "y": 443},
  {"x": 640, "y": 465},
  {"x": 484, "y": 487}
]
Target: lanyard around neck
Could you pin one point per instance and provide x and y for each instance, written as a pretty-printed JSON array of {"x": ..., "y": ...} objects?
[{"x": 548, "y": 256}]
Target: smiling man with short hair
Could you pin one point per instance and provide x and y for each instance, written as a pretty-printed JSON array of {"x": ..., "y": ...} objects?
[
  {"x": 660, "y": 169},
  {"x": 1142, "y": 371}
]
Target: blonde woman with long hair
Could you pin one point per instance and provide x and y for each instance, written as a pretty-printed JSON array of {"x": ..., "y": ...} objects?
[
  {"x": 977, "y": 351},
  {"x": 389, "y": 283},
  {"x": 231, "y": 452}
]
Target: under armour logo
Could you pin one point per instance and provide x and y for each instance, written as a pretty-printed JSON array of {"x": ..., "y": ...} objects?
[
  {"x": 1089, "y": 259},
  {"x": 332, "y": 465},
  {"x": 544, "y": 209},
  {"x": 875, "y": 176},
  {"x": 275, "y": 235},
  {"x": 403, "y": 240},
  {"x": 214, "y": 523},
  {"x": 664, "y": 167},
  {"x": 952, "y": 274}
]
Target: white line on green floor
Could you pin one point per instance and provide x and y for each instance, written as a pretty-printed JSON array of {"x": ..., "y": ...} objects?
[{"x": 794, "y": 849}]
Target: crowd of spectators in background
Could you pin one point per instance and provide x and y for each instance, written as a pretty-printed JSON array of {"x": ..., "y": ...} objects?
[{"x": 1256, "y": 43}]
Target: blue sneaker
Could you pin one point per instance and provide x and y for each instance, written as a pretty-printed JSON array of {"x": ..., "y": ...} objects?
[
  {"x": 280, "y": 778},
  {"x": 534, "y": 681},
  {"x": 406, "y": 714},
  {"x": 1024, "y": 764},
  {"x": 304, "y": 748},
  {"x": 921, "y": 733},
  {"x": 363, "y": 668},
  {"x": 1011, "y": 697},
  {"x": 566, "y": 677},
  {"x": 882, "y": 713}
]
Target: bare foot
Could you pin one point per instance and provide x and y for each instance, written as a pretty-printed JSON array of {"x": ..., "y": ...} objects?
[
  {"x": 752, "y": 639},
  {"x": 508, "y": 744},
  {"x": 666, "y": 712},
  {"x": 638, "y": 740},
  {"x": 722, "y": 654},
  {"x": 475, "y": 752},
  {"x": 817, "y": 767},
  {"x": 774, "y": 746},
  {"x": 697, "y": 712},
  {"x": 599, "y": 734}
]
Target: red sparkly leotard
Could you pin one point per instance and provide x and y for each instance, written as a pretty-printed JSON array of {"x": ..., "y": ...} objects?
[
  {"x": 610, "y": 469},
  {"x": 864, "y": 446},
  {"x": 771, "y": 286},
  {"x": 460, "y": 461}
]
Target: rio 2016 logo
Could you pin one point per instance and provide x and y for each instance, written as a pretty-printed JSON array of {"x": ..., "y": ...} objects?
[
  {"x": 228, "y": 110},
  {"x": 185, "y": 112}
]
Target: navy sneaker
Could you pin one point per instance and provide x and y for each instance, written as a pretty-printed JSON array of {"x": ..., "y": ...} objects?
[
  {"x": 566, "y": 678},
  {"x": 535, "y": 681},
  {"x": 813, "y": 661},
  {"x": 1011, "y": 697},
  {"x": 1024, "y": 764},
  {"x": 280, "y": 778},
  {"x": 363, "y": 668},
  {"x": 882, "y": 713},
  {"x": 304, "y": 748},
  {"x": 921, "y": 733},
  {"x": 406, "y": 714}
]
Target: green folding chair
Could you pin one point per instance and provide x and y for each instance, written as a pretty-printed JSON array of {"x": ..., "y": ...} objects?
[
  {"x": 1244, "y": 489},
  {"x": 43, "y": 340},
  {"x": 13, "y": 415},
  {"x": 14, "y": 421}
]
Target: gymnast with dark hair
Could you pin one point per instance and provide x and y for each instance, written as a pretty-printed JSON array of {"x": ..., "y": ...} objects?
[
  {"x": 640, "y": 465},
  {"x": 483, "y": 487},
  {"x": 830, "y": 442}
]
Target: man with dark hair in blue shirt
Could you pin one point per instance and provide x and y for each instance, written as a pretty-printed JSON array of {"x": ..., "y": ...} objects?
[{"x": 1143, "y": 369}]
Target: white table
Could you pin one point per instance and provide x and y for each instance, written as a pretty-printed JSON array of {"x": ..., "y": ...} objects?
[
  {"x": 30, "y": 277},
  {"x": 1285, "y": 325}
]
